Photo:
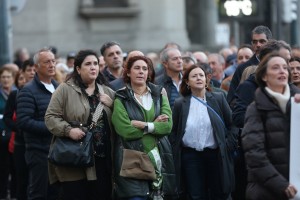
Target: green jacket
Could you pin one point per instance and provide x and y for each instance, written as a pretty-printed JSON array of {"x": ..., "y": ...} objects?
[
  {"x": 126, "y": 109},
  {"x": 69, "y": 104}
]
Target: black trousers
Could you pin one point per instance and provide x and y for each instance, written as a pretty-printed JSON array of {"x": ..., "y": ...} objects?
[
  {"x": 21, "y": 171},
  {"x": 38, "y": 183},
  {"x": 7, "y": 168},
  {"x": 100, "y": 189},
  {"x": 201, "y": 170},
  {"x": 240, "y": 173}
]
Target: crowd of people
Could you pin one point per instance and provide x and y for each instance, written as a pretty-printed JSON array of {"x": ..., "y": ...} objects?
[{"x": 198, "y": 125}]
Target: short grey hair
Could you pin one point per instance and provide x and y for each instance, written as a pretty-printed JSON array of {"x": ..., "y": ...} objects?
[
  {"x": 219, "y": 56},
  {"x": 36, "y": 56},
  {"x": 164, "y": 56}
]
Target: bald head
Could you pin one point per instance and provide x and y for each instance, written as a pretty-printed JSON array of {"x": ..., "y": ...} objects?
[
  {"x": 201, "y": 57},
  {"x": 134, "y": 53}
]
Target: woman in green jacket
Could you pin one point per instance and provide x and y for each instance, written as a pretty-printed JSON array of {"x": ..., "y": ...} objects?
[{"x": 142, "y": 119}]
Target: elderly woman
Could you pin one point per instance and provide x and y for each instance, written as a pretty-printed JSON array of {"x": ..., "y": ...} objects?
[
  {"x": 142, "y": 119},
  {"x": 266, "y": 133},
  {"x": 6, "y": 166},
  {"x": 202, "y": 137},
  {"x": 74, "y": 102}
]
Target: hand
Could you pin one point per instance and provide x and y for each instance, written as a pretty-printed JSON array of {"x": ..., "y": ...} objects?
[
  {"x": 106, "y": 100},
  {"x": 297, "y": 98},
  {"x": 138, "y": 124},
  {"x": 162, "y": 118},
  {"x": 76, "y": 134},
  {"x": 290, "y": 191}
]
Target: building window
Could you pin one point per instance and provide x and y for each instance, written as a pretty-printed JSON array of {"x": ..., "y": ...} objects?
[
  {"x": 111, "y": 3},
  {"x": 108, "y": 9}
]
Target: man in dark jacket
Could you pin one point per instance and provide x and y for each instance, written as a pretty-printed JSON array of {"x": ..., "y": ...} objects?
[
  {"x": 260, "y": 36},
  {"x": 113, "y": 57},
  {"x": 32, "y": 103},
  {"x": 171, "y": 78}
]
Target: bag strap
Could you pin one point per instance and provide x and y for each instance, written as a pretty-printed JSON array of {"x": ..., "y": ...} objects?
[
  {"x": 210, "y": 109},
  {"x": 98, "y": 110}
]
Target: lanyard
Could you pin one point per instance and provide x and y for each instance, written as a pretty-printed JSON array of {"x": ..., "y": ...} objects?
[{"x": 210, "y": 109}]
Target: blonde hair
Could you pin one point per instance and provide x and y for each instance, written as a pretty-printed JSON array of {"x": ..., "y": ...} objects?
[{"x": 247, "y": 72}]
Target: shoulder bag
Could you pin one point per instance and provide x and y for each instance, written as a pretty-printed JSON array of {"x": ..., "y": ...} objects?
[{"x": 70, "y": 153}]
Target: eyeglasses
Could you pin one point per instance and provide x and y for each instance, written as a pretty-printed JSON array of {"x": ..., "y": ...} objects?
[{"x": 261, "y": 41}]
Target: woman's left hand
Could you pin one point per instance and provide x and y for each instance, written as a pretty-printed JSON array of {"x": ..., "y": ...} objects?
[
  {"x": 106, "y": 100},
  {"x": 297, "y": 98}
]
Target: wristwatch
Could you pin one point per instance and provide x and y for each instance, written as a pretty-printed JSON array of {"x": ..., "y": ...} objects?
[{"x": 146, "y": 128}]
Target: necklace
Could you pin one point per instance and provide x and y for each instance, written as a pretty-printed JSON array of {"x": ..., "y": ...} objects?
[{"x": 140, "y": 94}]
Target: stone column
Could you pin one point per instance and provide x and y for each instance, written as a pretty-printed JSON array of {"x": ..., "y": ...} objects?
[
  {"x": 203, "y": 18},
  {"x": 161, "y": 22}
]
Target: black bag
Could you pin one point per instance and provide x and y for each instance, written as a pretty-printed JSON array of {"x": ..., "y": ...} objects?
[{"x": 71, "y": 153}]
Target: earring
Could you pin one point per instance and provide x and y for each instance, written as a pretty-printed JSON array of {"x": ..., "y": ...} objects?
[
  {"x": 188, "y": 87},
  {"x": 206, "y": 86}
]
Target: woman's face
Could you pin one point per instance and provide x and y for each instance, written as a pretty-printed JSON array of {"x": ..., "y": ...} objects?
[
  {"x": 197, "y": 79},
  {"x": 89, "y": 69},
  {"x": 295, "y": 69},
  {"x": 21, "y": 80},
  {"x": 138, "y": 73},
  {"x": 276, "y": 76},
  {"x": 6, "y": 79}
]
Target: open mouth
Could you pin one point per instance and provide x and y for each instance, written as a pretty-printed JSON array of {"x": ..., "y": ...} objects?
[{"x": 282, "y": 78}]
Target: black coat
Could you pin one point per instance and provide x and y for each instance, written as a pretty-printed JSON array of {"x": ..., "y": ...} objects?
[
  {"x": 32, "y": 102},
  {"x": 226, "y": 140},
  {"x": 244, "y": 95},
  {"x": 235, "y": 81},
  {"x": 266, "y": 143}
]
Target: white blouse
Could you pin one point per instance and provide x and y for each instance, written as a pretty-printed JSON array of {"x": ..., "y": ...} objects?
[{"x": 198, "y": 131}]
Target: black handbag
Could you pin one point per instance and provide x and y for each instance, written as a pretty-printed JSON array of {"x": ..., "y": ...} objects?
[{"x": 71, "y": 153}]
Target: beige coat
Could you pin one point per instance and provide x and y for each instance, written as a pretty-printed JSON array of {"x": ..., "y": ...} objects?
[{"x": 69, "y": 104}]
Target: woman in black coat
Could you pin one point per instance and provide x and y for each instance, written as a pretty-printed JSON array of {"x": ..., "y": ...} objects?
[
  {"x": 266, "y": 133},
  {"x": 201, "y": 139}
]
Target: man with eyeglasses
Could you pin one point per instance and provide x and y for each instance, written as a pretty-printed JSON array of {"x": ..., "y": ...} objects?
[
  {"x": 260, "y": 36},
  {"x": 32, "y": 103}
]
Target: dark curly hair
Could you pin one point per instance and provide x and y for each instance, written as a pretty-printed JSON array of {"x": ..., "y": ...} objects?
[
  {"x": 131, "y": 61},
  {"x": 79, "y": 58}
]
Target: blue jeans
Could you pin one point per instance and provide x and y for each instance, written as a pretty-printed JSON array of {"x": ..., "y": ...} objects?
[{"x": 201, "y": 170}]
